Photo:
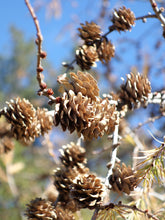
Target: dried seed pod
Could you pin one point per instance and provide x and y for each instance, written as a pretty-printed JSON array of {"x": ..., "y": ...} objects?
[
  {"x": 81, "y": 82},
  {"x": 106, "y": 50},
  {"x": 135, "y": 91},
  {"x": 86, "y": 56},
  {"x": 44, "y": 119},
  {"x": 123, "y": 179},
  {"x": 87, "y": 190},
  {"x": 123, "y": 19},
  {"x": 90, "y": 32},
  {"x": 22, "y": 116},
  {"x": 72, "y": 155}
]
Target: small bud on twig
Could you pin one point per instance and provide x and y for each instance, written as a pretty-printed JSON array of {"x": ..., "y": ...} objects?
[
  {"x": 40, "y": 69},
  {"x": 43, "y": 85},
  {"x": 50, "y": 91},
  {"x": 43, "y": 54}
]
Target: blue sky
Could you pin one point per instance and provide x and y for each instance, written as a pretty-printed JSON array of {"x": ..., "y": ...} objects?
[
  {"x": 59, "y": 42},
  {"x": 57, "y": 46}
]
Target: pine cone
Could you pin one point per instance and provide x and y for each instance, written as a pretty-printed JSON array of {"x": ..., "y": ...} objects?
[
  {"x": 40, "y": 209},
  {"x": 64, "y": 176},
  {"x": 123, "y": 179},
  {"x": 6, "y": 145},
  {"x": 87, "y": 190},
  {"x": 80, "y": 82},
  {"x": 45, "y": 120},
  {"x": 123, "y": 19},
  {"x": 135, "y": 91},
  {"x": 106, "y": 51},
  {"x": 72, "y": 112},
  {"x": 44, "y": 210},
  {"x": 22, "y": 116},
  {"x": 86, "y": 56},
  {"x": 92, "y": 119},
  {"x": 72, "y": 155},
  {"x": 102, "y": 120},
  {"x": 90, "y": 32}
]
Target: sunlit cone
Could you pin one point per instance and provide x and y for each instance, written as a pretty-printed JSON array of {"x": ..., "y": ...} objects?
[
  {"x": 64, "y": 176},
  {"x": 41, "y": 209},
  {"x": 72, "y": 155},
  {"x": 86, "y": 56},
  {"x": 44, "y": 119},
  {"x": 87, "y": 117},
  {"x": 72, "y": 112},
  {"x": 135, "y": 91},
  {"x": 123, "y": 19},
  {"x": 22, "y": 116},
  {"x": 81, "y": 82},
  {"x": 106, "y": 50},
  {"x": 123, "y": 179},
  {"x": 87, "y": 190},
  {"x": 90, "y": 32},
  {"x": 102, "y": 120}
]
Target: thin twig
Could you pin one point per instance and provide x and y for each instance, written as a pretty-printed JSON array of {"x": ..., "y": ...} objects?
[
  {"x": 120, "y": 205},
  {"x": 146, "y": 16},
  {"x": 158, "y": 12},
  {"x": 40, "y": 55},
  {"x": 114, "y": 154}
]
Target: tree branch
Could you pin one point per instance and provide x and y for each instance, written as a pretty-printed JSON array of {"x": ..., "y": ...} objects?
[{"x": 40, "y": 55}]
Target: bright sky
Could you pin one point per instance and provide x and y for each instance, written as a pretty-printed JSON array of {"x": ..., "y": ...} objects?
[{"x": 58, "y": 42}]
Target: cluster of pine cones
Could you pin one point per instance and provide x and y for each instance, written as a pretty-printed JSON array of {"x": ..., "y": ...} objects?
[
  {"x": 97, "y": 47},
  {"x": 79, "y": 188},
  {"x": 26, "y": 122},
  {"x": 80, "y": 108}
]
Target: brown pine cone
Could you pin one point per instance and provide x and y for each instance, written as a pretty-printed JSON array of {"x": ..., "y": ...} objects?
[
  {"x": 123, "y": 19},
  {"x": 86, "y": 56},
  {"x": 42, "y": 209},
  {"x": 102, "y": 120},
  {"x": 92, "y": 119},
  {"x": 72, "y": 155},
  {"x": 22, "y": 116},
  {"x": 123, "y": 179},
  {"x": 64, "y": 176},
  {"x": 72, "y": 111},
  {"x": 44, "y": 119},
  {"x": 87, "y": 190},
  {"x": 106, "y": 51},
  {"x": 135, "y": 91},
  {"x": 81, "y": 82},
  {"x": 90, "y": 32}
]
